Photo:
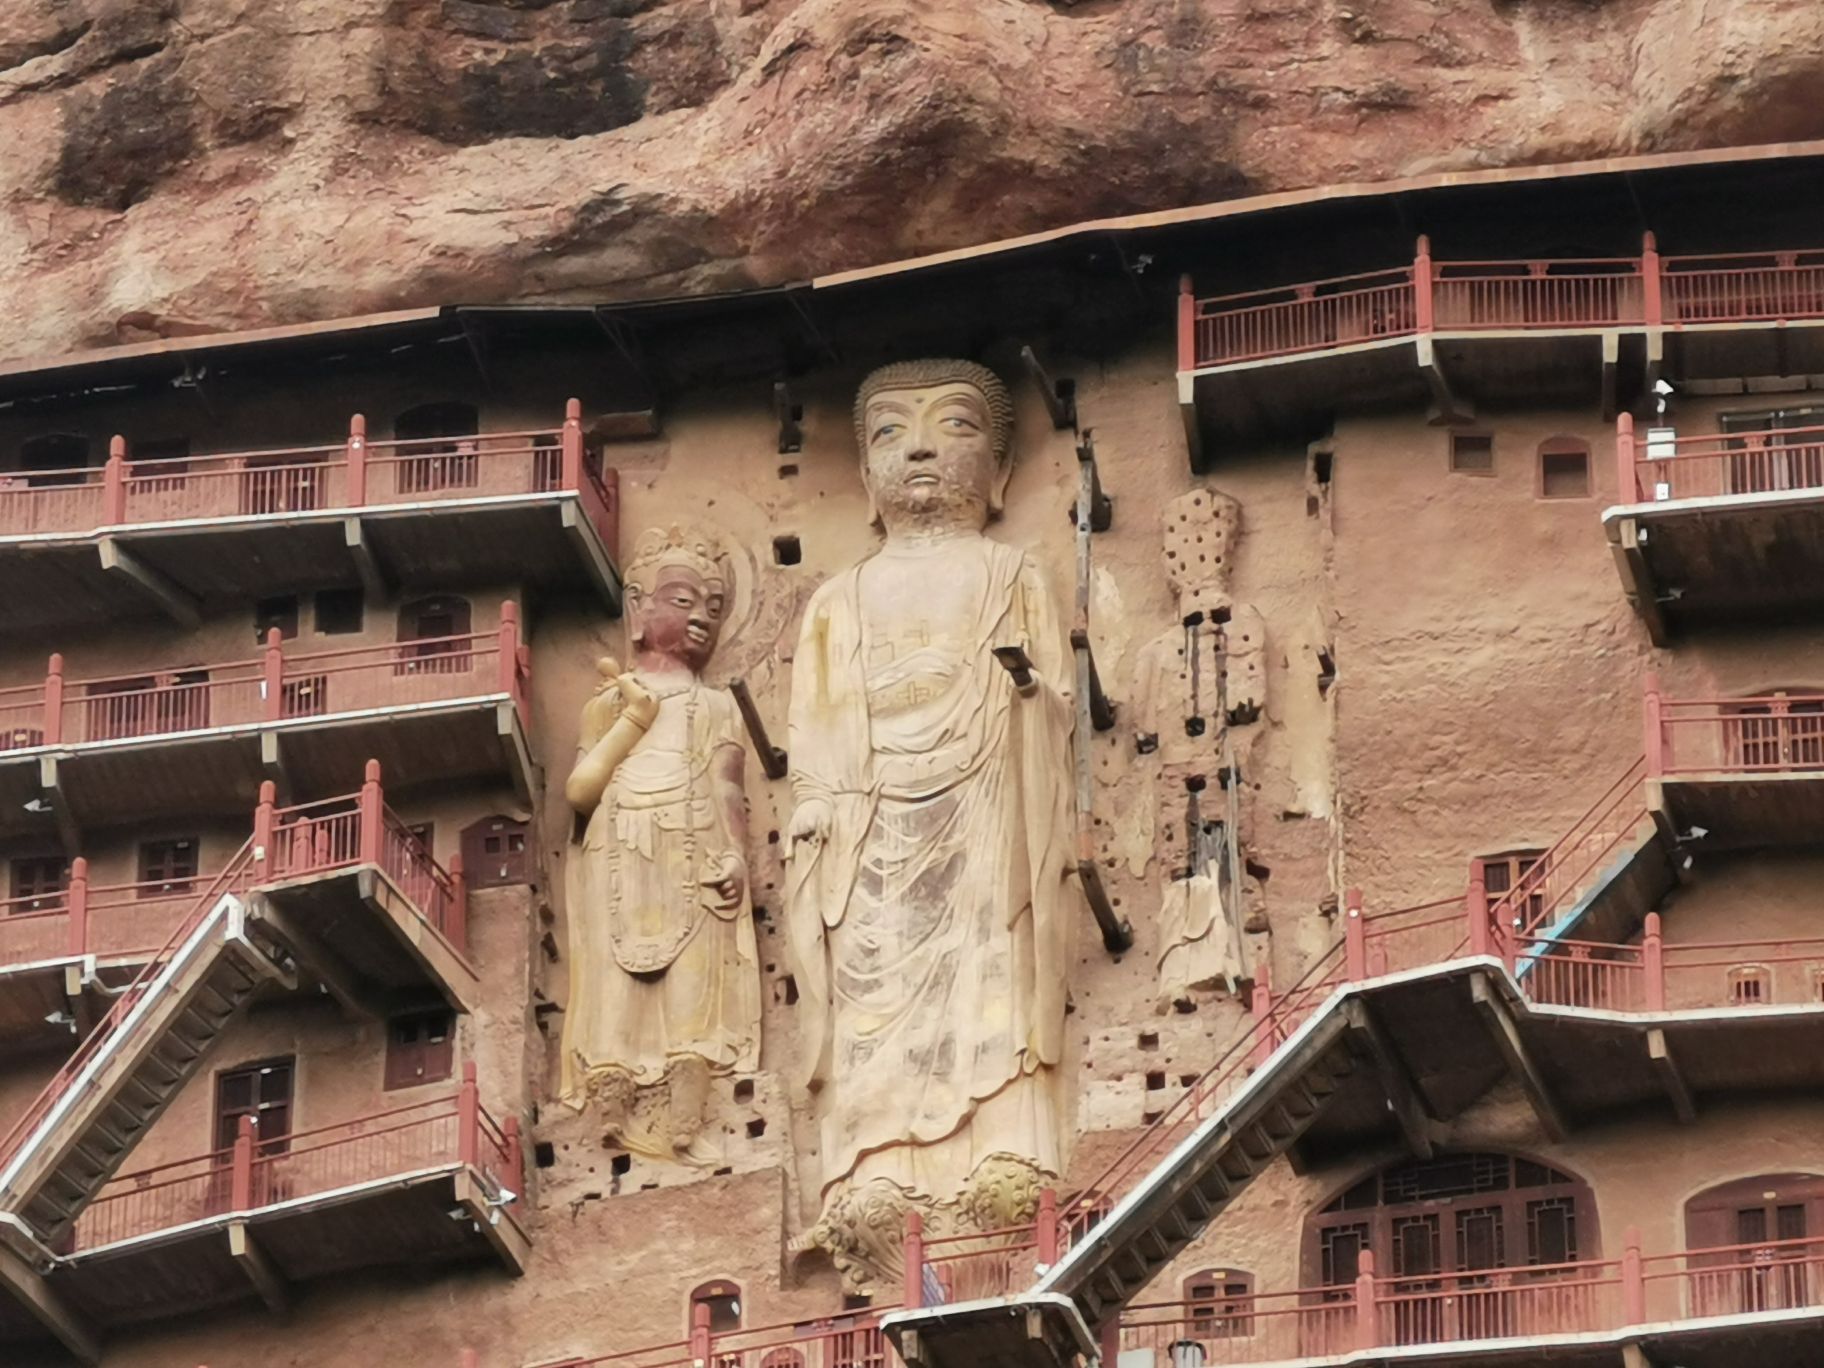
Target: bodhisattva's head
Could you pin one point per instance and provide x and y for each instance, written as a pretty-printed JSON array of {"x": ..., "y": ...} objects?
[
  {"x": 936, "y": 444},
  {"x": 675, "y": 591}
]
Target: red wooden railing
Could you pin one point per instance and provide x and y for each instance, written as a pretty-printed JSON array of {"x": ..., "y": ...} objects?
[
  {"x": 276, "y": 687},
  {"x": 1764, "y": 734},
  {"x": 288, "y": 843},
  {"x": 251, "y": 1174},
  {"x": 844, "y": 1341},
  {"x": 1718, "y": 465},
  {"x": 115, "y": 921},
  {"x": 1642, "y": 291},
  {"x": 1490, "y": 1304},
  {"x": 355, "y": 473}
]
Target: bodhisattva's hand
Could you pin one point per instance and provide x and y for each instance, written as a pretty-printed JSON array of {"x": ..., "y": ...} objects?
[
  {"x": 810, "y": 822},
  {"x": 727, "y": 883},
  {"x": 637, "y": 703}
]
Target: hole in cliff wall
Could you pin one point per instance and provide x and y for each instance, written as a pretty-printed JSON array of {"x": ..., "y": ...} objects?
[
  {"x": 787, "y": 550},
  {"x": 1260, "y": 873},
  {"x": 756, "y": 1128},
  {"x": 1149, "y": 1040},
  {"x": 789, "y": 469},
  {"x": 786, "y": 991},
  {"x": 1155, "y": 1081},
  {"x": 1322, "y": 464},
  {"x": 621, "y": 1165},
  {"x": 744, "y": 1090},
  {"x": 1326, "y": 672},
  {"x": 544, "y": 1154}
]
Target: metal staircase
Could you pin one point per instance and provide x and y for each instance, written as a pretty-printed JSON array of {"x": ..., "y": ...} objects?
[{"x": 87, "y": 1119}]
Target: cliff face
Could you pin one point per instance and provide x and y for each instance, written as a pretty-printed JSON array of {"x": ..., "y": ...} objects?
[{"x": 232, "y": 163}]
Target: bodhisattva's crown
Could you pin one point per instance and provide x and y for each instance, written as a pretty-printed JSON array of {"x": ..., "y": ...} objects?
[{"x": 659, "y": 547}]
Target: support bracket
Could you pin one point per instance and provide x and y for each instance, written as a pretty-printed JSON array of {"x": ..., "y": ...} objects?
[
  {"x": 1101, "y": 507},
  {"x": 1101, "y": 711},
  {"x": 1671, "y": 1077},
  {"x": 772, "y": 758},
  {"x": 178, "y": 604},
  {"x": 1060, "y": 396},
  {"x": 1404, "y": 1099},
  {"x": 790, "y": 414},
  {"x": 51, "y": 790},
  {"x": 1512, "y": 1046},
  {"x": 45, "y": 1306},
  {"x": 374, "y": 580},
  {"x": 253, "y": 1262}
]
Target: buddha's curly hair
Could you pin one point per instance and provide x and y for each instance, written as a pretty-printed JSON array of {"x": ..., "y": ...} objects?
[{"x": 940, "y": 371}]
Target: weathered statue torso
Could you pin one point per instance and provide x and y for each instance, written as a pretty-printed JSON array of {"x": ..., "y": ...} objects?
[{"x": 930, "y": 836}]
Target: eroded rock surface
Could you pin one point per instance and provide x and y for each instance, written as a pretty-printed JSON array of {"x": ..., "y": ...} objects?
[{"x": 235, "y": 163}]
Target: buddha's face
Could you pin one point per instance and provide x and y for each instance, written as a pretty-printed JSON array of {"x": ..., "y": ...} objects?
[
  {"x": 680, "y": 617},
  {"x": 930, "y": 456}
]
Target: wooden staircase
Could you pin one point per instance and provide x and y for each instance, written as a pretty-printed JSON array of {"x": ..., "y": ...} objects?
[
  {"x": 96, "y": 1110},
  {"x": 1172, "y": 1206}
]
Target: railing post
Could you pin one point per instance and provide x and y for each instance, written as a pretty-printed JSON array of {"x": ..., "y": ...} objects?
[
  {"x": 509, "y": 649},
  {"x": 1422, "y": 311},
  {"x": 1048, "y": 1241},
  {"x": 1652, "y": 301},
  {"x": 468, "y": 1118},
  {"x": 240, "y": 1187},
  {"x": 53, "y": 701},
  {"x": 516, "y": 1152},
  {"x": 1475, "y": 907},
  {"x": 1261, "y": 1004},
  {"x": 1627, "y": 474},
  {"x": 1633, "y": 1280},
  {"x": 699, "y": 1334},
  {"x": 1108, "y": 1340},
  {"x": 114, "y": 483},
  {"x": 76, "y": 900},
  {"x": 913, "y": 1294},
  {"x": 1187, "y": 325},
  {"x": 1367, "y": 1319},
  {"x": 272, "y": 677},
  {"x": 1355, "y": 936},
  {"x": 457, "y": 931},
  {"x": 570, "y": 470},
  {"x": 264, "y": 820},
  {"x": 357, "y": 460},
  {"x": 373, "y": 815},
  {"x": 1653, "y": 964},
  {"x": 1656, "y": 730}
]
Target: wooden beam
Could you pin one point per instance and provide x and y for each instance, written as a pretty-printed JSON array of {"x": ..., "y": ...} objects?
[
  {"x": 601, "y": 570},
  {"x": 1506, "y": 1035},
  {"x": 1637, "y": 579},
  {"x": 374, "y": 580},
  {"x": 1633, "y": 1356},
  {"x": 1193, "y": 428},
  {"x": 496, "y": 1225},
  {"x": 272, "y": 762},
  {"x": 1446, "y": 407},
  {"x": 46, "y": 1307},
  {"x": 50, "y": 789},
  {"x": 514, "y": 752},
  {"x": 354, "y": 997},
  {"x": 259, "y": 1270},
  {"x": 1671, "y": 1077},
  {"x": 1403, "y": 1097},
  {"x": 176, "y": 603}
]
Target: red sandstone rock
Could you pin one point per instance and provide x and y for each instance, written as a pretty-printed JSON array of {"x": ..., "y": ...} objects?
[{"x": 242, "y": 163}]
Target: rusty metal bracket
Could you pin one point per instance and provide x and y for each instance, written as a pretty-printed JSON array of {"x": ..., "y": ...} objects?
[
  {"x": 1101, "y": 711},
  {"x": 772, "y": 759},
  {"x": 1060, "y": 395},
  {"x": 1101, "y": 507},
  {"x": 790, "y": 414}
]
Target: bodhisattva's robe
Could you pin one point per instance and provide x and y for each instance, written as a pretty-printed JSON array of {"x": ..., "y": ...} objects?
[
  {"x": 656, "y": 971},
  {"x": 930, "y": 931}
]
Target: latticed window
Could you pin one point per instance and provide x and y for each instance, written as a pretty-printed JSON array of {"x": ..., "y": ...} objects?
[
  {"x": 1523, "y": 869},
  {"x": 39, "y": 883},
  {"x": 168, "y": 867},
  {"x": 1219, "y": 1302},
  {"x": 1341, "y": 1249},
  {"x": 1551, "y": 1231},
  {"x": 1750, "y": 985}
]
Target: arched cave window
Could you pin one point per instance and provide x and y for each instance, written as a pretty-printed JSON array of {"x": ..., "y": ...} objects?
[
  {"x": 56, "y": 458},
  {"x": 1760, "y": 1226},
  {"x": 442, "y": 448},
  {"x": 437, "y": 630},
  {"x": 1452, "y": 1214},
  {"x": 723, "y": 1298}
]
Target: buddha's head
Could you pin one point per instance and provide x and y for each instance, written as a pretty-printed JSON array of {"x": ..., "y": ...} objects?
[
  {"x": 936, "y": 443},
  {"x": 675, "y": 592}
]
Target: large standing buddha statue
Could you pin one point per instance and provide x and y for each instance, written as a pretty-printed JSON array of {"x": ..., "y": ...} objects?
[{"x": 929, "y": 911}]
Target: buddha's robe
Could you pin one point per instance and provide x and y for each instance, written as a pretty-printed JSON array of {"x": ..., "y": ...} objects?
[{"x": 930, "y": 930}]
